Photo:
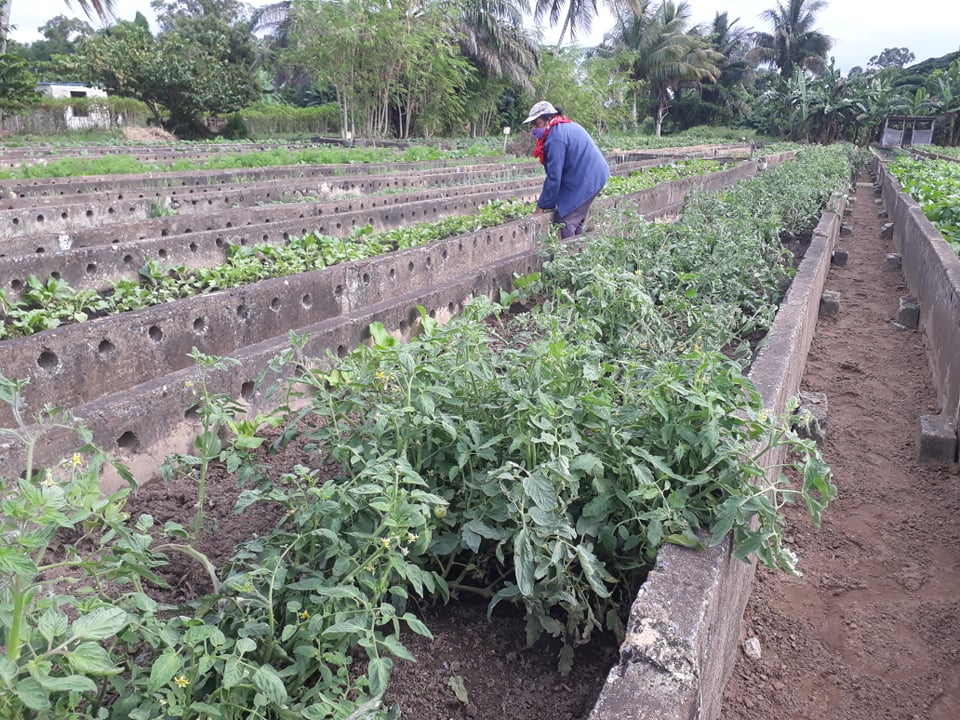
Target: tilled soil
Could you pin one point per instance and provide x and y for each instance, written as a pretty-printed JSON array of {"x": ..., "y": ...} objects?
[{"x": 872, "y": 629}]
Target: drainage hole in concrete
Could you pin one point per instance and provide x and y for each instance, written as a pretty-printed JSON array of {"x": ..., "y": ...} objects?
[
  {"x": 55, "y": 275},
  {"x": 156, "y": 334},
  {"x": 16, "y": 221},
  {"x": 444, "y": 254},
  {"x": 338, "y": 291},
  {"x": 341, "y": 351},
  {"x": 246, "y": 390},
  {"x": 219, "y": 242},
  {"x": 16, "y": 284},
  {"x": 429, "y": 262},
  {"x": 48, "y": 361},
  {"x": 40, "y": 250},
  {"x": 39, "y": 218},
  {"x": 162, "y": 252},
  {"x": 366, "y": 278},
  {"x": 199, "y": 326},
  {"x": 129, "y": 441},
  {"x": 89, "y": 213},
  {"x": 410, "y": 267},
  {"x": 127, "y": 259},
  {"x": 194, "y": 247},
  {"x": 192, "y": 412},
  {"x": 243, "y": 312},
  {"x": 275, "y": 304},
  {"x": 91, "y": 268},
  {"x": 164, "y": 232},
  {"x": 307, "y": 301},
  {"x": 393, "y": 273},
  {"x": 64, "y": 215},
  {"x": 110, "y": 211},
  {"x": 105, "y": 346}
]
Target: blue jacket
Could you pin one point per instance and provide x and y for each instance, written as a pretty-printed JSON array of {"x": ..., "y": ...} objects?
[{"x": 576, "y": 169}]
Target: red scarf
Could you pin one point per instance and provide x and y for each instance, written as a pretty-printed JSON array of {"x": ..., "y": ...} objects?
[{"x": 538, "y": 151}]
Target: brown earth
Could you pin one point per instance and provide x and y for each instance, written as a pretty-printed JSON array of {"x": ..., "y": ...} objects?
[{"x": 872, "y": 629}]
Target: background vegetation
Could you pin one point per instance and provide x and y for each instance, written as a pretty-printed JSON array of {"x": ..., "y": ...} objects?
[{"x": 376, "y": 69}]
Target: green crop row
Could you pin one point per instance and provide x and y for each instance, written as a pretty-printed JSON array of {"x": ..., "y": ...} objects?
[
  {"x": 935, "y": 185},
  {"x": 43, "y": 305}
]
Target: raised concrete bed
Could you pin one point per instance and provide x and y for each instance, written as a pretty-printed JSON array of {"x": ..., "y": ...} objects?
[
  {"x": 200, "y": 178},
  {"x": 119, "y": 252},
  {"x": 932, "y": 271},
  {"x": 684, "y": 626},
  {"x": 83, "y": 366},
  {"x": 93, "y": 258}
]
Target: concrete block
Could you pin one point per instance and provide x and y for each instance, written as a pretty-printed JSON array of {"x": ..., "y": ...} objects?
[
  {"x": 883, "y": 214},
  {"x": 852, "y": 200},
  {"x": 937, "y": 439},
  {"x": 810, "y": 418},
  {"x": 878, "y": 201},
  {"x": 847, "y": 212},
  {"x": 893, "y": 261},
  {"x": 830, "y": 303},
  {"x": 908, "y": 312},
  {"x": 878, "y": 190},
  {"x": 839, "y": 257},
  {"x": 846, "y": 231},
  {"x": 886, "y": 232}
]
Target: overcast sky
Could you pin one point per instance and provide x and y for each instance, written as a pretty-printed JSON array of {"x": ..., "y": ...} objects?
[{"x": 860, "y": 29}]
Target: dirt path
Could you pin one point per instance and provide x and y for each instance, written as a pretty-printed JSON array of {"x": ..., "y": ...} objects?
[{"x": 872, "y": 630}]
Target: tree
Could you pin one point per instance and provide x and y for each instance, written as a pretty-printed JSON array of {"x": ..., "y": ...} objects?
[
  {"x": 795, "y": 42},
  {"x": 199, "y": 65},
  {"x": 664, "y": 57},
  {"x": 18, "y": 86},
  {"x": 891, "y": 58},
  {"x": 104, "y": 9}
]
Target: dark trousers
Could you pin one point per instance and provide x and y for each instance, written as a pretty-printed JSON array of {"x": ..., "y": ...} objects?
[{"x": 572, "y": 223}]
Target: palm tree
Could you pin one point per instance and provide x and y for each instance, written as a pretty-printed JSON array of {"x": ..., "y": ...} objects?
[
  {"x": 664, "y": 56},
  {"x": 733, "y": 43},
  {"x": 103, "y": 8},
  {"x": 795, "y": 42}
]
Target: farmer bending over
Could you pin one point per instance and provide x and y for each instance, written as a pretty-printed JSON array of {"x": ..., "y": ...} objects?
[{"x": 576, "y": 169}]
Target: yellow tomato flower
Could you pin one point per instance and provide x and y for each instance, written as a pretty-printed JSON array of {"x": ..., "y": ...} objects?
[
  {"x": 181, "y": 681},
  {"x": 411, "y": 538},
  {"x": 77, "y": 459},
  {"x": 304, "y": 615},
  {"x": 385, "y": 542}
]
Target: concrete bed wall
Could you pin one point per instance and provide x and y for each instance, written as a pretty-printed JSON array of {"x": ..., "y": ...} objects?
[
  {"x": 684, "y": 626},
  {"x": 72, "y": 365},
  {"x": 932, "y": 272}
]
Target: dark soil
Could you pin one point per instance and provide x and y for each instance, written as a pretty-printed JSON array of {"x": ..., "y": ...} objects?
[
  {"x": 503, "y": 678},
  {"x": 872, "y": 629}
]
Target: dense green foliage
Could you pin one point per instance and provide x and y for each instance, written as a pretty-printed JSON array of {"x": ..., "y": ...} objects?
[
  {"x": 378, "y": 69},
  {"x": 935, "y": 184}
]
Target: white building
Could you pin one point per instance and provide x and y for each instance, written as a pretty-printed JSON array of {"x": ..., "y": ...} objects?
[{"x": 78, "y": 118}]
